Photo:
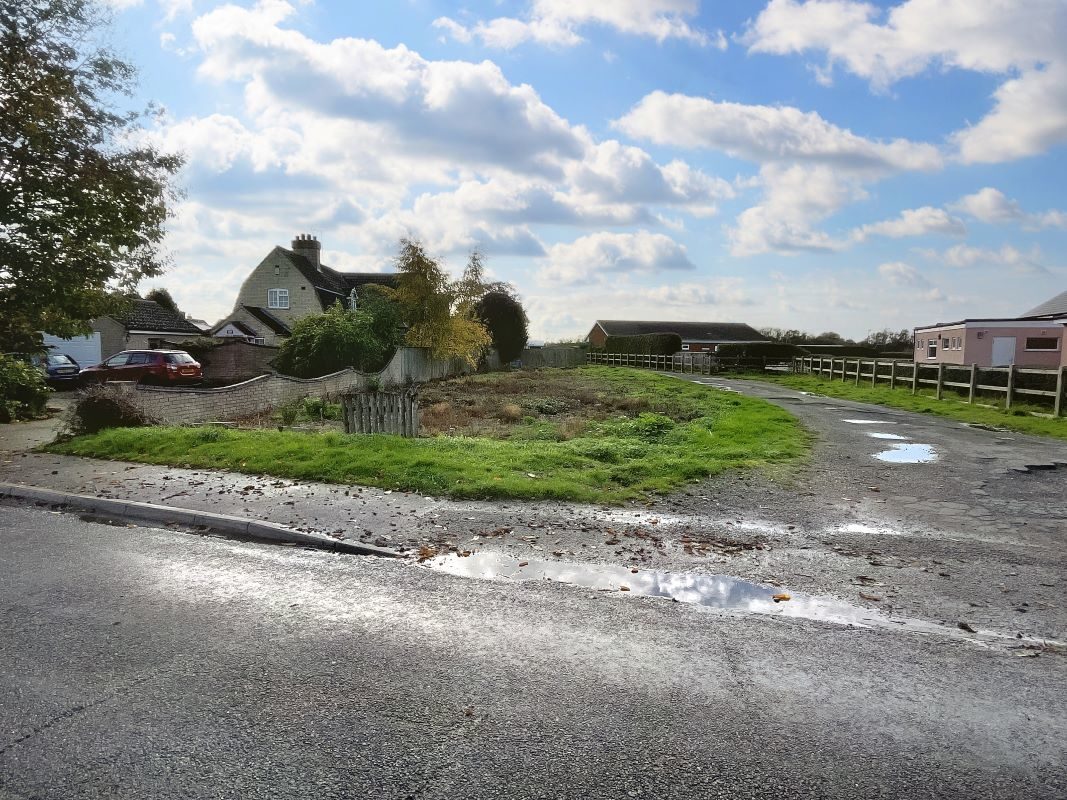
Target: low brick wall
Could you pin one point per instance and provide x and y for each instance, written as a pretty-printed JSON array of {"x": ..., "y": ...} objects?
[{"x": 184, "y": 406}]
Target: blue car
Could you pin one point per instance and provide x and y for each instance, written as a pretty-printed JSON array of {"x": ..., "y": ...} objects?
[{"x": 59, "y": 369}]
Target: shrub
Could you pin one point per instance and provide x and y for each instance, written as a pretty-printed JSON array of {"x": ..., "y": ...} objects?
[
  {"x": 511, "y": 412},
  {"x": 505, "y": 319},
  {"x": 657, "y": 344},
  {"x": 23, "y": 391},
  {"x": 314, "y": 407},
  {"x": 289, "y": 412},
  {"x": 325, "y": 343},
  {"x": 99, "y": 407}
]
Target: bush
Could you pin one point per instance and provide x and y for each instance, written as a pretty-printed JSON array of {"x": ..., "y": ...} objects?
[
  {"x": 23, "y": 391},
  {"x": 656, "y": 344},
  {"x": 99, "y": 407},
  {"x": 325, "y": 343}
]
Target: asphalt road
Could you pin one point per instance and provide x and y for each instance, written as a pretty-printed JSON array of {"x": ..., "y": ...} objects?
[{"x": 141, "y": 663}]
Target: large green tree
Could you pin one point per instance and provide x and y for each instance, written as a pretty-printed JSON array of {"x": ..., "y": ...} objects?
[
  {"x": 83, "y": 200},
  {"x": 161, "y": 296}
]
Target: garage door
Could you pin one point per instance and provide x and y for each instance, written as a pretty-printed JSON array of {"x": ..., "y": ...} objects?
[{"x": 83, "y": 349}]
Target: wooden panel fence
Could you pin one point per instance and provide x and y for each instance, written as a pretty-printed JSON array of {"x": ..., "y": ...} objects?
[
  {"x": 396, "y": 413},
  {"x": 1045, "y": 386}
]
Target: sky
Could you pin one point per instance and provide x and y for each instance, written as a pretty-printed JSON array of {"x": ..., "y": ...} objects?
[{"x": 821, "y": 165}]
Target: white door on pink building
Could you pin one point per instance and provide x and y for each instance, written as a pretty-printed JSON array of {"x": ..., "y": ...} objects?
[{"x": 1003, "y": 351}]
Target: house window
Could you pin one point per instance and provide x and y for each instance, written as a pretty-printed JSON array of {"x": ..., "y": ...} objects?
[
  {"x": 277, "y": 298},
  {"x": 1042, "y": 343},
  {"x": 259, "y": 340},
  {"x": 685, "y": 347},
  {"x": 981, "y": 334},
  {"x": 931, "y": 349}
]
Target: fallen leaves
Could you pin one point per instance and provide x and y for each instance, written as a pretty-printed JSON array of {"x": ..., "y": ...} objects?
[{"x": 781, "y": 597}]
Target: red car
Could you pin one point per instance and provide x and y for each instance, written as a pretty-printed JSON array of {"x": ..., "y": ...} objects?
[{"x": 161, "y": 367}]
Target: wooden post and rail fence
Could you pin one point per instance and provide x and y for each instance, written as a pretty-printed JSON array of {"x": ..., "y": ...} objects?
[
  {"x": 969, "y": 379},
  {"x": 688, "y": 363},
  {"x": 1045, "y": 386}
]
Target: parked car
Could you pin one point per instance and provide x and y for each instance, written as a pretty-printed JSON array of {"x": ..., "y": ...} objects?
[
  {"x": 161, "y": 367},
  {"x": 59, "y": 369}
]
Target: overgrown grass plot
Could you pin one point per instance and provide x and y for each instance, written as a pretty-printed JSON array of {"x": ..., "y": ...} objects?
[{"x": 594, "y": 434}]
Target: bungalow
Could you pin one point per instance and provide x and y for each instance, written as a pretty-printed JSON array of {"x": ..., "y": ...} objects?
[
  {"x": 288, "y": 285},
  {"x": 1033, "y": 339},
  {"x": 697, "y": 337}
]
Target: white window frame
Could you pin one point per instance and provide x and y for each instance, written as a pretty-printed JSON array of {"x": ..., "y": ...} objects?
[
  {"x": 277, "y": 298},
  {"x": 259, "y": 340},
  {"x": 931, "y": 348},
  {"x": 1056, "y": 349},
  {"x": 685, "y": 347}
]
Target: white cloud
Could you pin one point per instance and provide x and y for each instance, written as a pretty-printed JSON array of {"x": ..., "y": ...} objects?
[
  {"x": 914, "y": 222},
  {"x": 901, "y": 275},
  {"x": 795, "y": 198},
  {"x": 718, "y": 292},
  {"x": 992, "y": 206},
  {"x": 966, "y": 256},
  {"x": 1021, "y": 41},
  {"x": 598, "y": 256},
  {"x": 768, "y": 133},
  {"x": 556, "y": 23},
  {"x": 810, "y": 167},
  {"x": 435, "y": 111}
]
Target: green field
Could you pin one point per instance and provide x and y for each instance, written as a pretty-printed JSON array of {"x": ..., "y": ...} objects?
[{"x": 593, "y": 434}]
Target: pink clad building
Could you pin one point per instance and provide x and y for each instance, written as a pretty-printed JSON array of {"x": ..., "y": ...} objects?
[{"x": 1034, "y": 339}]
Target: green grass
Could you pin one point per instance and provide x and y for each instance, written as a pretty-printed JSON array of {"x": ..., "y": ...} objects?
[
  {"x": 704, "y": 432},
  {"x": 1016, "y": 419}
]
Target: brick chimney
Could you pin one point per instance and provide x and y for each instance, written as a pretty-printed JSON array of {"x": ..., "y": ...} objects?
[{"x": 308, "y": 246}]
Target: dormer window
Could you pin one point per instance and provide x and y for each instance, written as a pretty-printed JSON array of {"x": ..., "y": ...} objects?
[{"x": 277, "y": 298}]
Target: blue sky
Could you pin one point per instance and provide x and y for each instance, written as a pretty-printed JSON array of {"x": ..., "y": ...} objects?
[{"x": 823, "y": 165}]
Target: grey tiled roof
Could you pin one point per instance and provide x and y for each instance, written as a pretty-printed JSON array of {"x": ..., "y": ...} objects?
[
  {"x": 689, "y": 331},
  {"x": 148, "y": 315},
  {"x": 268, "y": 319},
  {"x": 1055, "y": 307},
  {"x": 331, "y": 285}
]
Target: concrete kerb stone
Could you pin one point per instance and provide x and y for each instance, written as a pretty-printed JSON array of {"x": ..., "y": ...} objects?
[{"x": 223, "y": 523}]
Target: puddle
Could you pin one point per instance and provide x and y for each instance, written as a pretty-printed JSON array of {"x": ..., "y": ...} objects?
[
  {"x": 856, "y": 527},
  {"x": 869, "y": 422},
  {"x": 876, "y": 435},
  {"x": 720, "y": 592},
  {"x": 908, "y": 454}
]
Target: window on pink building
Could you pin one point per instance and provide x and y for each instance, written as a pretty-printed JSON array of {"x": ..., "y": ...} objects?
[{"x": 1042, "y": 343}]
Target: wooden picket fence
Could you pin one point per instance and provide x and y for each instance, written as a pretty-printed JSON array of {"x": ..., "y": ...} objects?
[
  {"x": 913, "y": 375},
  {"x": 396, "y": 413}
]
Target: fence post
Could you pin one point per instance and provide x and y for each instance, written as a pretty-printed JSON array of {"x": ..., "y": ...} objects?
[
  {"x": 914, "y": 377},
  {"x": 940, "y": 380},
  {"x": 859, "y": 361},
  {"x": 973, "y": 388},
  {"x": 1057, "y": 405},
  {"x": 874, "y": 372},
  {"x": 1011, "y": 386},
  {"x": 893, "y": 374}
]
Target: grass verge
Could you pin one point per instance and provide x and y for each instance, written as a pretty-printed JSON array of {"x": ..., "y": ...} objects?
[
  {"x": 1015, "y": 419},
  {"x": 689, "y": 432}
]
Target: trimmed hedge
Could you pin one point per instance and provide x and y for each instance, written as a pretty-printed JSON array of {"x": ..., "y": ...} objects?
[
  {"x": 760, "y": 350},
  {"x": 656, "y": 344},
  {"x": 838, "y": 350}
]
